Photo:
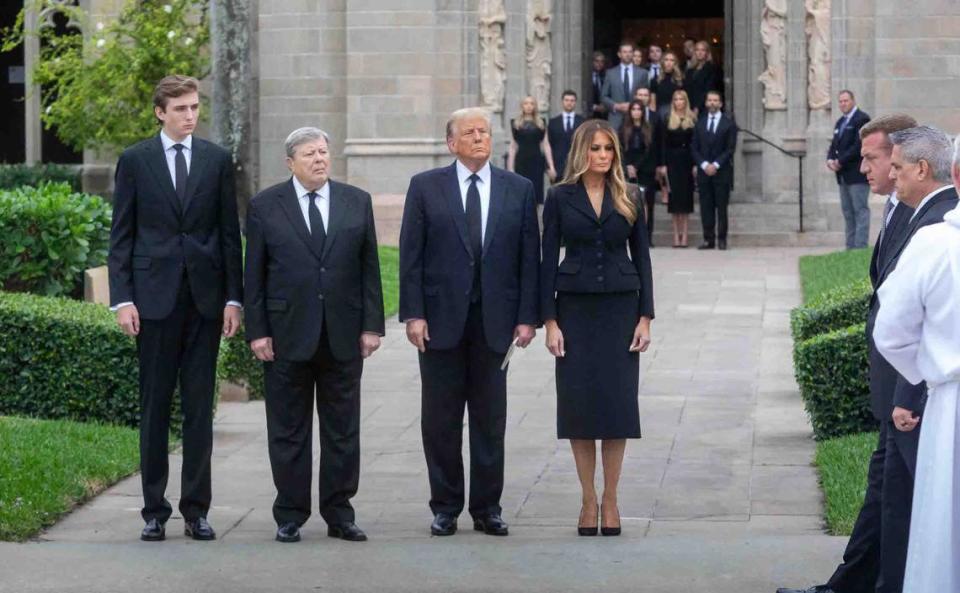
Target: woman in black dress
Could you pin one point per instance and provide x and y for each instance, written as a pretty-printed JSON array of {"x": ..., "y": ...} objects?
[
  {"x": 597, "y": 305},
  {"x": 640, "y": 139},
  {"x": 677, "y": 165},
  {"x": 529, "y": 154},
  {"x": 702, "y": 76},
  {"x": 666, "y": 83}
]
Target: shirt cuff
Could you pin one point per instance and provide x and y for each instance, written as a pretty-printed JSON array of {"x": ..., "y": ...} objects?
[
  {"x": 235, "y": 304},
  {"x": 704, "y": 165},
  {"x": 119, "y": 306},
  {"x": 715, "y": 164}
]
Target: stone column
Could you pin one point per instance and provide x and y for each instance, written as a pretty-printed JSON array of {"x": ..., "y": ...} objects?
[{"x": 31, "y": 53}]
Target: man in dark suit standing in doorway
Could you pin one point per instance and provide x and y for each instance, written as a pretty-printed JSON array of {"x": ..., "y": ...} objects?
[
  {"x": 175, "y": 284},
  {"x": 714, "y": 142},
  {"x": 314, "y": 312},
  {"x": 621, "y": 83},
  {"x": 469, "y": 257},
  {"x": 560, "y": 131}
]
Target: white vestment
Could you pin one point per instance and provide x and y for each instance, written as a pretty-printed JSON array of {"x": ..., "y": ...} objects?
[{"x": 918, "y": 332}]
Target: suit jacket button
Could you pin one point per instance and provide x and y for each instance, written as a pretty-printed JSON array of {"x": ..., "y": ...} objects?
[
  {"x": 599, "y": 278},
  {"x": 467, "y": 293},
  {"x": 323, "y": 269},
  {"x": 320, "y": 296}
]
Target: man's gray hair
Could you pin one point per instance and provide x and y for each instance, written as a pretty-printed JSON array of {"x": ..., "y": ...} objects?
[
  {"x": 956, "y": 151},
  {"x": 302, "y": 136},
  {"x": 466, "y": 113},
  {"x": 928, "y": 144}
]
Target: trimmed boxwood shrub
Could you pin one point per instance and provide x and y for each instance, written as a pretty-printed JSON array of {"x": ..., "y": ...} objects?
[
  {"x": 61, "y": 358},
  {"x": 17, "y": 175},
  {"x": 832, "y": 372},
  {"x": 237, "y": 364},
  {"x": 48, "y": 236},
  {"x": 835, "y": 309}
]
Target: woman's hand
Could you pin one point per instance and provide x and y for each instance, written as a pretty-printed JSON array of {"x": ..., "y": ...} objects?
[
  {"x": 552, "y": 174},
  {"x": 641, "y": 336},
  {"x": 555, "y": 339}
]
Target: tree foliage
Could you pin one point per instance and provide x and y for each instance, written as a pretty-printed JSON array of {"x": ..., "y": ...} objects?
[{"x": 97, "y": 80}]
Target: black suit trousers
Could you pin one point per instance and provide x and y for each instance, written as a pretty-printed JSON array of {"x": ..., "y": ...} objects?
[
  {"x": 466, "y": 375},
  {"x": 291, "y": 387},
  {"x": 182, "y": 346},
  {"x": 714, "y": 198},
  {"x": 876, "y": 554}
]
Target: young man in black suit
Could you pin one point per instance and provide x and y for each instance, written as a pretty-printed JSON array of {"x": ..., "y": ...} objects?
[
  {"x": 714, "y": 141},
  {"x": 843, "y": 158},
  {"x": 175, "y": 283},
  {"x": 314, "y": 312},
  {"x": 469, "y": 255},
  {"x": 560, "y": 131}
]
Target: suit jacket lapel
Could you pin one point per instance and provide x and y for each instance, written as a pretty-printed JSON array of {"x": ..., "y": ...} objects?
[
  {"x": 158, "y": 164},
  {"x": 338, "y": 205},
  {"x": 451, "y": 187},
  {"x": 606, "y": 207},
  {"x": 581, "y": 202},
  {"x": 290, "y": 204},
  {"x": 198, "y": 165},
  {"x": 497, "y": 193}
]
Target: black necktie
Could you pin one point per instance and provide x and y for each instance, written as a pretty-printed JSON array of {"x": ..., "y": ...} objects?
[
  {"x": 626, "y": 81},
  {"x": 317, "y": 232},
  {"x": 569, "y": 125},
  {"x": 475, "y": 231},
  {"x": 180, "y": 173},
  {"x": 713, "y": 124}
]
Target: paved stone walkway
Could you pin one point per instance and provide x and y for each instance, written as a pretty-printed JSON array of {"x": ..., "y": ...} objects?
[{"x": 718, "y": 496}]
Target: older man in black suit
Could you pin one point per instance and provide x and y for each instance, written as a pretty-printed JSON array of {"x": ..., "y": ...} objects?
[
  {"x": 843, "y": 158},
  {"x": 560, "y": 131},
  {"x": 469, "y": 258},
  {"x": 314, "y": 312},
  {"x": 175, "y": 284},
  {"x": 714, "y": 142}
]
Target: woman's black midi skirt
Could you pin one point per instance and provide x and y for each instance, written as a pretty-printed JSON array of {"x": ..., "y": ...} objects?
[{"x": 598, "y": 379}]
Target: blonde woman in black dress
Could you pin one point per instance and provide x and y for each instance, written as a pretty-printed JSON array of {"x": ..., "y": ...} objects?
[
  {"x": 597, "y": 305},
  {"x": 677, "y": 164},
  {"x": 529, "y": 155}
]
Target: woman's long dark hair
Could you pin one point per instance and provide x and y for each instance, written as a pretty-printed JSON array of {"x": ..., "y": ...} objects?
[{"x": 626, "y": 129}]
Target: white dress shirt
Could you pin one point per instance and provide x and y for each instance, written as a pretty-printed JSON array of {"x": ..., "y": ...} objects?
[
  {"x": 483, "y": 186},
  {"x": 568, "y": 121},
  {"x": 171, "y": 153},
  {"x": 323, "y": 203},
  {"x": 654, "y": 71},
  {"x": 713, "y": 121},
  {"x": 626, "y": 68},
  {"x": 927, "y": 198}
]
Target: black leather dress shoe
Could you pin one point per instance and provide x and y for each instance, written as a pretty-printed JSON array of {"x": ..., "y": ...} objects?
[
  {"x": 348, "y": 531},
  {"x": 443, "y": 524},
  {"x": 288, "y": 533},
  {"x": 153, "y": 531},
  {"x": 199, "y": 529},
  {"x": 491, "y": 525},
  {"x": 816, "y": 589},
  {"x": 722, "y": 244},
  {"x": 705, "y": 245}
]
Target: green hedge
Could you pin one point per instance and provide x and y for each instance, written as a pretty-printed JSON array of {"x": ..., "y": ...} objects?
[
  {"x": 835, "y": 309},
  {"x": 48, "y": 236},
  {"x": 17, "y": 175},
  {"x": 237, "y": 364},
  {"x": 832, "y": 372}
]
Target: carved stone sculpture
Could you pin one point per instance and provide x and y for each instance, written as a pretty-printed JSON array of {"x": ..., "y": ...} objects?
[
  {"x": 818, "y": 53},
  {"x": 493, "y": 55},
  {"x": 539, "y": 53},
  {"x": 773, "y": 26}
]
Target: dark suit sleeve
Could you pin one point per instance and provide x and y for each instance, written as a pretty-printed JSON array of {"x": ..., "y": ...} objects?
[
  {"x": 640, "y": 254},
  {"x": 909, "y": 396},
  {"x": 606, "y": 92},
  {"x": 851, "y": 153},
  {"x": 412, "y": 243},
  {"x": 832, "y": 150},
  {"x": 122, "y": 231},
  {"x": 529, "y": 311},
  {"x": 230, "y": 232},
  {"x": 551, "y": 256},
  {"x": 255, "y": 309},
  {"x": 696, "y": 145},
  {"x": 373, "y": 321},
  {"x": 725, "y": 158}
]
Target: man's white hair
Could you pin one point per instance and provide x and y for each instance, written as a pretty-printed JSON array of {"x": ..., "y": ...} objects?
[
  {"x": 302, "y": 136},
  {"x": 466, "y": 113},
  {"x": 956, "y": 151},
  {"x": 928, "y": 144}
]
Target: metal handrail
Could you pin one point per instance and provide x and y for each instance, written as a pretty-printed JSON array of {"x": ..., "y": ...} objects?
[{"x": 793, "y": 154}]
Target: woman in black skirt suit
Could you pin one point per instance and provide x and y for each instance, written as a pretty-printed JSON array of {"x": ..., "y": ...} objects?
[
  {"x": 677, "y": 165},
  {"x": 597, "y": 305}
]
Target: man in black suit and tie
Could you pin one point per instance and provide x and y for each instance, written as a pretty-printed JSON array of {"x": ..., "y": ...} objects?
[
  {"x": 469, "y": 257},
  {"x": 175, "y": 284},
  {"x": 912, "y": 163},
  {"x": 597, "y": 76},
  {"x": 560, "y": 131},
  {"x": 843, "y": 158},
  {"x": 314, "y": 312},
  {"x": 714, "y": 141},
  {"x": 620, "y": 83}
]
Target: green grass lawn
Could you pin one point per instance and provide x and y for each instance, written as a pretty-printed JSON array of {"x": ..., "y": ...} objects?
[
  {"x": 390, "y": 277},
  {"x": 49, "y": 466},
  {"x": 820, "y": 273},
  {"x": 842, "y": 463}
]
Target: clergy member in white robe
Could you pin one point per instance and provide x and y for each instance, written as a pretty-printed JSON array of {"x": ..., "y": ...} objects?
[{"x": 918, "y": 332}]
